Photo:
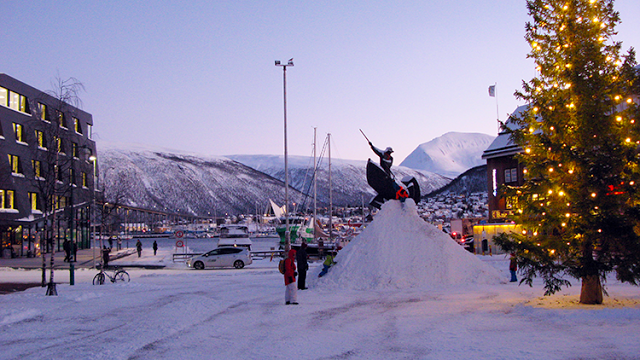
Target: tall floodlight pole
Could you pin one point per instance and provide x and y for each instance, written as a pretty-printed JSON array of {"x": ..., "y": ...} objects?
[{"x": 287, "y": 232}]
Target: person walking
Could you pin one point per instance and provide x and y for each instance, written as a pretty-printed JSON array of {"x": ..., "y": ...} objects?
[
  {"x": 66, "y": 246},
  {"x": 155, "y": 247},
  {"x": 513, "y": 267},
  {"x": 303, "y": 266},
  {"x": 139, "y": 247},
  {"x": 290, "y": 292}
]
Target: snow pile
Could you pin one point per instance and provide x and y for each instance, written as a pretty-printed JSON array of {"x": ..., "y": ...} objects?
[{"x": 400, "y": 250}]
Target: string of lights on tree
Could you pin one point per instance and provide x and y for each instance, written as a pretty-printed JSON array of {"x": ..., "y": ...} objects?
[{"x": 580, "y": 140}]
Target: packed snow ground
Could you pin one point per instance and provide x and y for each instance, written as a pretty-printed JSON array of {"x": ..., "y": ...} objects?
[{"x": 240, "y": 314}]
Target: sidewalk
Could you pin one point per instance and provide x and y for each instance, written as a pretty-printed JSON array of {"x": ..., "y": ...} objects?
[{"x": 85, "y": 259}]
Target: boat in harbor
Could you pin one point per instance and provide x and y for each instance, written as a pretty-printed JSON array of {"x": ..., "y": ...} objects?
[
  {"x": 234, "y": 235},
  {"x": 299, "y": 228}
]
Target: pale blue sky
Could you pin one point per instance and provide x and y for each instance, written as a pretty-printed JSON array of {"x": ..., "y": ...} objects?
[{"x": 199, "y": 76}]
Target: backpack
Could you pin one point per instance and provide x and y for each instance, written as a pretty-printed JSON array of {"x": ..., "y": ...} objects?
[{"x": 281, "y": 266}]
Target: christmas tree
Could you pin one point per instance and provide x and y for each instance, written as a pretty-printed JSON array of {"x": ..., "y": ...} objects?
[{"x": 579, "y": 207}]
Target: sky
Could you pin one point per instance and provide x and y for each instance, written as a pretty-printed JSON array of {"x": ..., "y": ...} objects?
[{"x": 199, "y": 76}]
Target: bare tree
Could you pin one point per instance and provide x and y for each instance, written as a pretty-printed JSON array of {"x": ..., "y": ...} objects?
[
  {"x": 54, "y": 174},
  {"x": 110, "y": 199}
]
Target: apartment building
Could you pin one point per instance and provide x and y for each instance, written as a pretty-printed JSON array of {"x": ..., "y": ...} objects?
[{"x": 46, "y": 170}]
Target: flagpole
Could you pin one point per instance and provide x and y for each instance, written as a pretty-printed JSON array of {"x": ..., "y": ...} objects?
[{"x": 493, "y": 92}]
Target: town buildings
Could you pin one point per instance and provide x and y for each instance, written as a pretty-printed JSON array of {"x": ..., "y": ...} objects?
[{"x": 46, "y": 174}]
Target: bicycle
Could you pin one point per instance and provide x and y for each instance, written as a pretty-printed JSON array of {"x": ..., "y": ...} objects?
[{"x": 119, "y": 275}]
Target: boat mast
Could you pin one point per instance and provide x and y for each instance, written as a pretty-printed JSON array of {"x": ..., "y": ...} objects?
[
  {"x": 330, "y": 191},
  {"x": 315, "y": 188}
]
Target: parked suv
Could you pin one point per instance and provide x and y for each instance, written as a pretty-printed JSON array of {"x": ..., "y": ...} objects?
[{"x": 227, "y": 256}]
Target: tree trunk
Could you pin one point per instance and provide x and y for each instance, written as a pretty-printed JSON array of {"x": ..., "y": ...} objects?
[{"x": 591, "y": 292}]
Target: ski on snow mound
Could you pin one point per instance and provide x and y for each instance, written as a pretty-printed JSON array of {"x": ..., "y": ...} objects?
[{"x": 400, "y": 250}]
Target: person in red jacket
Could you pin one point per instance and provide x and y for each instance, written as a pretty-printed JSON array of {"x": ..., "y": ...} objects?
[{"x": 291, "y": 291}]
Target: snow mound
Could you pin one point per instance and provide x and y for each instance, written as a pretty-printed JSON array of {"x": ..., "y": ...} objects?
[{"x": 400, "y": 250}]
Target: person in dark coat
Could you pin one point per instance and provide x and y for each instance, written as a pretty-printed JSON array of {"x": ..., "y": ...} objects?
[
  {"x": 139, "y": 247},
  {"x": 155, "y": 247},
  {"x": 105, "y": 257},
  {"x": 291, "y": 292},
  {"x": 303, "y": 266},
  {"x": 513, "y": 267},
  {"x": 66, "y": 246},
  {"x": 386, "y": 160}
]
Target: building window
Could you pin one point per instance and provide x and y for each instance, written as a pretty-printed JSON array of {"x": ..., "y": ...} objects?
[
  {"x": 18, "y": 130},
  {"x": 511, "y": 175},
  {"x": 60, "y": 145},
  {"x": 42, "y": 142},
  {"x": 14, "y": 100},
  {"x": 90, "y": 131},
  {"x": 85, "y": 183},
  {"x": 77, "y": 125},
  {"x": 72, "y": 177},
  {"x": 62, "y": 120},
  {"x": 34, "y": 201},
  {"x": 44, "y": 112},
  {"x": 58, "y": 173},
  {"x": 7, "y": 199},
  {"x": 61, "y": 202},
  {"x": 74, "y": 149},
  {"x": 14, "y": 162},
  {"x": 37, "y": 168},
  {"x": 511, "y": 202}
]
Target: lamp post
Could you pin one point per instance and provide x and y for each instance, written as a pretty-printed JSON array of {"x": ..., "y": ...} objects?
[
  {"x": 287, "y": 233},
  {"x": 93, "y": 160}
]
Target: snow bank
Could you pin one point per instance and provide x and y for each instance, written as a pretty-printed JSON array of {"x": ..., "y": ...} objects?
[{"x": 400, "y": 250}]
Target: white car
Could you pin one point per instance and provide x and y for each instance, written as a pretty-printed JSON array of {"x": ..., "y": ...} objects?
[{"x": 228, "y": 256}]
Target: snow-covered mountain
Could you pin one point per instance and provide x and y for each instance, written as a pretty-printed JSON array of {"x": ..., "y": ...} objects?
[
  {"x": 207, "y": 185},
  {"x": 348, "y": 177},
  {"x": 185, "y": 183},
  {"x": 450, "y": 154}
]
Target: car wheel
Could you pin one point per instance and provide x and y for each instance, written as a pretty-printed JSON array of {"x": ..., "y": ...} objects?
[
  {"x": 238, "y": 264},
  {"x": 198, "y": 265}
]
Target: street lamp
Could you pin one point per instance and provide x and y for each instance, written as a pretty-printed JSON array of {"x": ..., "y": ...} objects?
[
  {"x": 94, "y": 159},
  {"x": 287, "y": 232}
]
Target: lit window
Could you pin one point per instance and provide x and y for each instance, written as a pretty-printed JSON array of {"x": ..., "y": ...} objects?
[
  {"x": 85, "y": 183},
  {"x": 60, "y": 147},
  {"x": 44, "y": 112},
  {"x": 77, "y": 126},
  {"x": 33, "y": 200},
  {"x": 6, "y": 199},
  {"x": 13, "y": 100},
  {"x": 62, "y": 120},
  {"x": 14, "y": 162},
  {"x": 4, "y": 96},
  {"x": 90, "y": 131},
  {"x": 37, "y": 168},
  {"x": 18, "y": 130},
  {"x": 42, "y": 143},
  {"x": 74, "y": 149}
]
